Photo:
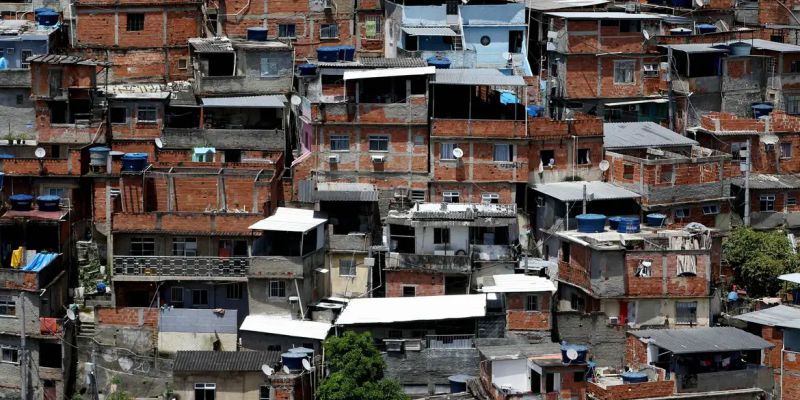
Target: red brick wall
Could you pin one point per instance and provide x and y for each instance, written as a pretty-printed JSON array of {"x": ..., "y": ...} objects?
[
  {"x": 519, "y": 319},
  {"x": 635, "y": 351},
  {"x": 127, "y": 316},
  {"x": 791, "y": 375},
  {"x": 100, "y": 29},
  {"x": 577, "y": 270},
  {"x": 676, "y": 285},
  {"x": 582, "y": 76},
  {"x": 632, "y": 391},
  {"x": 427, "y": 284}
]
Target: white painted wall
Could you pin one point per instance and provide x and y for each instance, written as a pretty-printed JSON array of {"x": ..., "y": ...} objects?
[
  {"x": 459, "y": 239},
  {"x": 511, "y": 373}
]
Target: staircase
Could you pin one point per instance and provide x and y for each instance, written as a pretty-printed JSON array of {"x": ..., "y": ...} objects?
[{"x": 87, "y": 329}]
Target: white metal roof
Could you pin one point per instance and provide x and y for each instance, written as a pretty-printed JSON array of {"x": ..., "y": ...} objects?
[
  {"x": 388, "y": 72},
  {"x": 386, "y": 310},
  {"x": 477, "y": 76},
  {"x": 772, "y": 316},
  {"x": 794, "y": 277},
  {"x": 516, "y": 283},
  {"x": 429, "y": 31},
  {"x": 603, "y": 15},
  {"x": 629, "y": 103},
  {"x": 285, "y": 326},
  {"x": 265, "y": 101},
  {"x": 289, "y": 220},
  {"x": 546, "y": 5},
  {"x": 573, "y": 191}
]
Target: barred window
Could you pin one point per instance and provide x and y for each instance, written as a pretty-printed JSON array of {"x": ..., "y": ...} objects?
[
  {"x": 328, "y": 31},
  {"x": 372, "y": 26},
  {"x": 686, "y": 312}
]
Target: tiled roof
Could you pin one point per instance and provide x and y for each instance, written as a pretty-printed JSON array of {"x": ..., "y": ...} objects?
[{"x": 223, "y": 361}]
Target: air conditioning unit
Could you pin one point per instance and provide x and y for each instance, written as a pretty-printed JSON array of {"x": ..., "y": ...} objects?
[
  {"x": 369, "y": 261},
  {"x": 294, "y": 299},
  {"x": 613, "y": 320},
  {"x": 393, "y": 345},
  {"x": 378, "y": 159},
  {"x": 333, "y": 158}
]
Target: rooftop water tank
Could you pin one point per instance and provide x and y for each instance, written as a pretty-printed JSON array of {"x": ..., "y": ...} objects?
[
  {"x": 20, "y": 202},
  {"x": 740, "y": 48},
  {"x": 706, "y": 28},
  {"x": 293, "y": 361},
  {"x": 48, "y": 18},
  {"x": 579, "y": 353},
  {"x": 438, "y": 62},
  {"x": 634, "y": 377},
  {"x": 347, "y": 53},
  {"x": 303, "y": 350},
  {"x": 98, "y": 155},
  {"x": 48, "y": 203},
  {"x": 613, "y": 222},
  {"x": 458, "y": 383},
  {"x": 656, "y": 219},
  {"x": 591, "y": 223},
  {"x": 680, "y": 32},
  {"x": 762, "y": 109},
  {"x": 328, "y": 53},
  {"x": 134, "y": 162},
  {"x": 629, "y": 225},
  {"x": 307, "y": 69},
  {"x": 257, "y": 34}
]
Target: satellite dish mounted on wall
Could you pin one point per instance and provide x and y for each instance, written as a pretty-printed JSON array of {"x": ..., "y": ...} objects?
[
  {"x": 572, "y": 354},
  {"x": 159, "y": 143},
  {"x": 458, "y": 153},
  {"x": 646, "y": 34},
  {"x": 296, "y": 100},
  {"x": 70, "y": 314},
  {"x": 267, "y": 370},
  {"x": 286, "y": 370},
  {"x": 306, "y": 365},
  {"x": 40, "y": 152},
  {"x": 699, "y": 3},
  {"x": 604, "y": 165}
]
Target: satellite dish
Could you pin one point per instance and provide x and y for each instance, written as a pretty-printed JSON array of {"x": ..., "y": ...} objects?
[
  {"x": 296, "y": 100},
  {"x": 306, "y": 365},
  {"x": 552, "y": 162},
  {"x": 699, "y": 3},
  {"x": 604, "y": 165},
  {"x": 572, "y": 354},
  {"x": 267, "y": 370},
  {"x": 458, "y": 153},
  {"x": 40, "y": 152},
  {"x": 159, "y": 143},
  {"x": 70, "y": 314},
  {"x": 286, "y": 370},
  {"x": 646, "y": 34}
]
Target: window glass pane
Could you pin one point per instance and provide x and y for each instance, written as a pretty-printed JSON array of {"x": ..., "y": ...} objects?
[
  {"x": 340, "y": 143},
  {"x": 446, "y": 152},
  {"x": 378, "y": 143},
  {"x": 502, "y": 152}
]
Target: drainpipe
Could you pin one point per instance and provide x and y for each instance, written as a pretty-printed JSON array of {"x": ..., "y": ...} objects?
[
  {"x": 299, "y": 300},
  {"x": 783, "y": 349}
]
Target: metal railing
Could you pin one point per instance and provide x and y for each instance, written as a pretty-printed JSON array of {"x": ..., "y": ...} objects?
[
  {"x": 449, "y": 342},
  {"x": 181, "y": 266}
]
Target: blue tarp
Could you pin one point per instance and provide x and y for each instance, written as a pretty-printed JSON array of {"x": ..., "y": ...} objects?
[
  {"x": 40, "y": 261},
  {"x": 508, "y": 98}
]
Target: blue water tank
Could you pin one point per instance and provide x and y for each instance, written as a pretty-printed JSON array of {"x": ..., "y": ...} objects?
[
  {"x": 534, "y": 110},
  {"x": 656, "y": 219},
  {"x": 48, "y": 18},
  {"x": 98, "y": 155},
  {"x": 706, "y": 28},
  {"x": 680, "y": 32},
  {"x": 328, "y": 53},
  {"x": 634, "y": 377},
  {"x": 293, "y": 361},
  {"x": 5, "y": 156},
  {"x": 762, "y": 109},
  {"x": 20, "y": 202},
  {"x": 740, "y": 48},
  {"x": 458, "y": 383},
  {"x": 100, "y": 287},
  {"x": 438, "y": 62},
  {"x": 347, "y": 53},
  {"x": 579, "y": 349},
  {"x": 257, "y": 34},
  {"x": 307, "y": 69},
  {"x": 48, "y": 203},
  {"x": 591, "y": 223},
  {"x": 629, "y": 225},
  {"x": 303, "y": 350},
  {"x": 134, "y": 162},
  {"x": 613, "y": 222}
]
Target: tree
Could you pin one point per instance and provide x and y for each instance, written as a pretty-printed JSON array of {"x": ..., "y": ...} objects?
[
  {"x": 757, "y": 258},
  {"x": 356, "y": 368}
]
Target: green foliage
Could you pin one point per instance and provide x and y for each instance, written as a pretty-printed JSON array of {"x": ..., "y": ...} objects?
[
  {"x": 356, "y": 368},
  {"x": 757, "y": 259}
]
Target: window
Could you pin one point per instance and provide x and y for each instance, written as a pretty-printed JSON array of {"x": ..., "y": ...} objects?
[
  {"x": 119, "y": 115},
  {"x": 8, "y": 305},
  {"x": 441, "y": 235},
  {"x": 531, "y": 302},
  {"x": 409, "y": 291},
  {"x": 277, "y": 289},
  {"x": 650, "y": 70},
  {"x": 372, "y": 26},
  {"x": 379, "y": 143},
  {"x": 665, "y": 174},
  {"x": 565, "y": 249},
  {"x": 793, "y": 104},
  {"x": 328, "y": 31},
  {"x": 184, "y": 247},
  {"x": 736, "y": 150},
  {"x": 627, "y": 171},
  {"x": 347, "y": 267},
  {"x": 263, "y": 393},
  {"x": 417, "y": 195},
  {"x": 199, "y": 297},
  {"x": 143, "y": 246},
  {"x": 9, "y": 354},
  {"x": 233, "y": 291},
  {"x": 681, "y": 213},
  {"x": 686, "y": 265},
  {"x": 146, "y": 114},
  {"x": 794, "y": 67},
  {"x": 270, "y": 67},
  {"x": 205, "y": 391},
  {"x": 630, "y": 26},
  {"x": 578, "y": 376},
  {"x": 711, "y": 209},
  {"x": 176, "y": 296},
  {"x": 786, "y": 150},
  {"x": 60, "y": 192},
  {"x": 183, "y": 64},
  {"x": 135, "y": 22},
  {"x": 584, "y": 157},
  {"x": 20, "y": 99},
  {"x": 643, "y": 270},
  {"x": 577, "y": 302},
  {"x": 446, "y": 151},
  {"x": 340, "y": 143},
  {"x": 503, "y": 153},
  {"x": 286, "y": 31},
  {"x": 624, "y": 72},
  {"x": 486, "y": 40},
  {"x": 791, "y": 201},
  {"x": 450, "y": 197},
  {"x": 686, "y": 312},
  {"x": 766, "y": 202},
  {"x": 419, "y": 140},
  {"x": 25, "y": 54},
  {"x": 490, "y": 198},
  {"x": 547, "y": 157}
]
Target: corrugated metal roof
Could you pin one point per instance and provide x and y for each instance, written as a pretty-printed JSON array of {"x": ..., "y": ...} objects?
[
  {"x": 223, "y": 361},
  {"x": 477, "y": 76},
  {"x": 429, "y": 31},
  {"x": 277, "y": 325},
  {"x": 212, "y": 45},
  {"x": 547, "y": 5},
  {"x": 771, "y": 316},
  {"x": 629, "y": 135},
  {"x": 768, "y": 181},
  {"x": 388, "y": 72},
  {"x": 603, "y": 15},
  {"x": 518, "y": 351},
  {"x": 345, "y": 191},
  {"x": 697, "y": 48},
  {"x": 264, "y": 101},
  {"x": 703, "y": 340},
  {"x": 762, "y": 44},
  {"x": 456, "y": 211},
  {"x": 387, "y": 310},
  {"x": 61, "y": 59},
  {"x": 155, "y": 91},
  {"x": 289, "y": 220},
  {"x": 573, "y": 191},
  {"x": 516, "y": 283}
]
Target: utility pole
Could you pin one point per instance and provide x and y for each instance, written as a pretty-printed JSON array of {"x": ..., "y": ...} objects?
[
  {"x": 584, "y": 198},
  {"x": 747, "y": 184},
  {"x": 23, "y": 359},
  {"x": 670, "y": 99}
]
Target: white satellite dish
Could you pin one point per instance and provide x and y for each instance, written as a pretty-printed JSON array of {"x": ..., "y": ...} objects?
[
  {"x": 572, "y": 354},
  {"x": 646, "y": 34},
  {"x": 159, "y": 143},
  {"x": 296, "y": 100},
  {"x": 604, "y": 165},
  {"x": 699, "y": 3},
  {"x": 458, "y": 153},
  {"x": 70, "y": 314},
  {"x": 40, "y": 152},
  {"x": 286, "y": 370},
  {"x": 267, "y": 370},
  {"x": 306, "y": 364}
]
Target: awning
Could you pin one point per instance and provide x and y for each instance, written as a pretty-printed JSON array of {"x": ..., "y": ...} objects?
[
  {"x": 388, "y": 72},
  {"x": 793, "y": 277},
  {"x": 516, "y": 283},
  {"x": 703, "y": 340},
  {"x": 286, "y": 327},
  {"x": 344, "y": 191},
  {"x": 629, "y": 103},
  {"x": 429, "y": 31},
  {"x": 289, "y": 220},
  {"x": 387, "y": 310},
  {"x": 267, "y": 101},
  {"x": 477, "y": 77}
]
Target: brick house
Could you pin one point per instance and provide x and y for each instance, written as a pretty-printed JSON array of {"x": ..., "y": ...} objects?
[{"x": 525, "y": 300}]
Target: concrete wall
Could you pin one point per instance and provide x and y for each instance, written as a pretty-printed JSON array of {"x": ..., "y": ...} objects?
[
  {"x": 184, "y": 329},
  {"x": 428, "y": 366},
  {"x": 659, "y": 312},
  {"x": 348, "y": 286},
  {"x": 606, "y": 342},
  {"x": 230, "y": 386},
  {"x": 459, "y": 239},
  {"x": 511, "y": 373}
]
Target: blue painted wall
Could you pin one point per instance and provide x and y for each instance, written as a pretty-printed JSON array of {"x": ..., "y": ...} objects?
[
  {"x": 493, "y": 54},
  {"x": 217, "y": 296},
  {"x": 11, "y": 47}
]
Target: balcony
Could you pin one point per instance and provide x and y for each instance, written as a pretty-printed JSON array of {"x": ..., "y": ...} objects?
[
  {"x": 485, "y": 252},
  {"x": 755, "y": 376},
  {"x": 152, "y": 268},
  {"x": 573, "y": 275},
  {"x": 699, "y": 85},
  {"x": 448, "y": 264}
]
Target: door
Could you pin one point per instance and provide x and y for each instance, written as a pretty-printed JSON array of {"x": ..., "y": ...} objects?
[
  {"x": 536, "y": 382},
  {"x": 515, "y": 41}
]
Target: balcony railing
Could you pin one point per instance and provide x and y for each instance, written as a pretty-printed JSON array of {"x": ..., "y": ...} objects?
[
  {"x": 207, "y": 267},
  {"x": 449, "y": 342},
  {"x": 429, "y": 262}
]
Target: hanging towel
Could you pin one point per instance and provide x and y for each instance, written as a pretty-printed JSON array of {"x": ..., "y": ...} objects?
[{"x": 16, "y": 257}]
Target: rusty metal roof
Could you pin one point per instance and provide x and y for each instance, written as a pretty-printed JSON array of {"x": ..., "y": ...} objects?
[{"x": 62, "y": 59}]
